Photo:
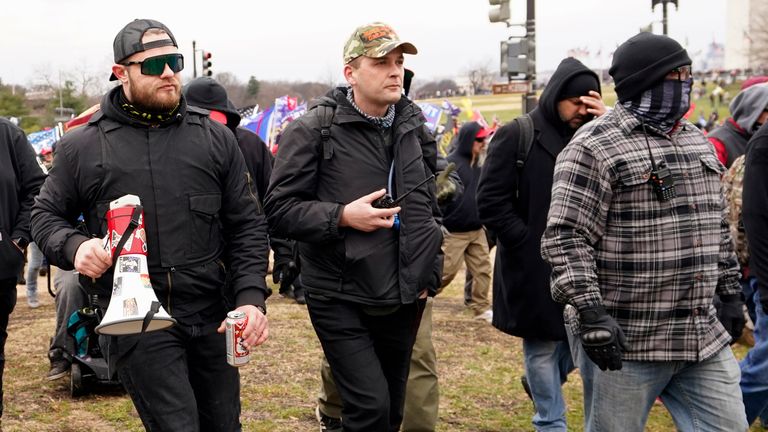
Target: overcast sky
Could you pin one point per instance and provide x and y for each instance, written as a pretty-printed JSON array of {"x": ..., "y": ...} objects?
[{"x": 303, "y": 39}]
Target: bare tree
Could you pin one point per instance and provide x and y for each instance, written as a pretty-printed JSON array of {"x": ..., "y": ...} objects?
[
  {"x": 480, "y": 76},
  {"x": 758, "y": 36}
]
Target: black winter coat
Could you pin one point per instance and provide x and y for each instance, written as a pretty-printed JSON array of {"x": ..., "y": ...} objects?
[
  {"x": 307, "y": 193},
  {"x": 20, "y": 180},
  {"x": 522, "y": 303},
  {"x": 204, "y": 231}
]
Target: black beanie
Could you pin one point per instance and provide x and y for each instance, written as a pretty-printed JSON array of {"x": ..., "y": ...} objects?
[
  {"x": 642, "y": 61},
  {"x": 579, "y": 85}
]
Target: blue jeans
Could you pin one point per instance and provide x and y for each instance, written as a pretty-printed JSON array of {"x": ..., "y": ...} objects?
[
  {"x": 33, "y": 267},
  {"x": 547, "y": 364},
  {"x": 754, "y": 369},
  {"x": 700, "y": 396}
]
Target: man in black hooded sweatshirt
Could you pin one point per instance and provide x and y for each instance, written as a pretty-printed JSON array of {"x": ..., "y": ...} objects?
[
  {"x": 465, "y": 239},
  {"x": 514, "y": 204}
]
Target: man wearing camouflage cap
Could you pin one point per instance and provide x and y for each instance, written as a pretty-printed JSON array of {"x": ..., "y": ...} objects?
[{"x": 367, "y": 269}]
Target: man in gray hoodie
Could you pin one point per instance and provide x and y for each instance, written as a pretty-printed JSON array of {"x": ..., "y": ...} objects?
[{"x": 749, "y": 110}]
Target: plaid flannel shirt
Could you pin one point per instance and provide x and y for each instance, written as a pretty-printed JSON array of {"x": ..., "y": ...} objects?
[{"x": 655, "y": 266}]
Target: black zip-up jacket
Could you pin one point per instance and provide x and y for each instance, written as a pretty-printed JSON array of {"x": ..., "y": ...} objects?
[
  {"x": 307, "y": 193},
  {"x": 20, "y": 180},
  {"x": 206, "y": 233}
]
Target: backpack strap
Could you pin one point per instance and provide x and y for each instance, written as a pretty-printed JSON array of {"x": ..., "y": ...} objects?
[
  {"x": 525, "y": 140},
  {"x": 524, "y": 144},
  {"x": 326, "y": 120}
]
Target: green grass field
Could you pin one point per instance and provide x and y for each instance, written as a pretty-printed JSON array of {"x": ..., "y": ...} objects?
[{"x": 479, "y": 369}]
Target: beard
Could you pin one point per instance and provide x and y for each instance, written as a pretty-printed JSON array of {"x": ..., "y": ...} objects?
[{"x": 148, "y": 98}]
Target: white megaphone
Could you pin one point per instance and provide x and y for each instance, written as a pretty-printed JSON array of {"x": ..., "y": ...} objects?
[{"x": 134, "y": 307}]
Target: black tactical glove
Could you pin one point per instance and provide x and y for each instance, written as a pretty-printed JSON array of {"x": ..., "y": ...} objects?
[
  {"x": 731, "y": 315},
  {"x": 285, "y": 273},
  {"x": 602, "y": 338}
]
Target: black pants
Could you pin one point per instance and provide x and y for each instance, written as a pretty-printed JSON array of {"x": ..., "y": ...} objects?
[
  {"x": 179, "y": 379},
  {"x": 7, "y": 303},
  {"x": 369, "y": 357}
]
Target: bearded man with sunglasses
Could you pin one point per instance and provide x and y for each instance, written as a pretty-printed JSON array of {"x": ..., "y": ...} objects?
[{"x": 206, "y": 234}]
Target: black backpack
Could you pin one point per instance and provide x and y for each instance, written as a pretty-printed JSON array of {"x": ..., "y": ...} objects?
[{"x": 524, "y": 144}]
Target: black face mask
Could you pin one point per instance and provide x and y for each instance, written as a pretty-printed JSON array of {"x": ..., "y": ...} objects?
[{"x": 663, "y": 105}]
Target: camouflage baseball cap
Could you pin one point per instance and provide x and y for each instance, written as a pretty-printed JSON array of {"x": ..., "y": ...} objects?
[{"x": 374, "y": 40}]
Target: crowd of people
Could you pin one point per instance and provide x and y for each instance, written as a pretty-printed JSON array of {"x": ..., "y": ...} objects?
[{"x": 621, "y": 238}]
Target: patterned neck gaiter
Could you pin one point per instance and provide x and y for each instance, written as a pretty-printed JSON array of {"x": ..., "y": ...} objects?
[
  {"x": 148, "y": 117},
  {"x": 381, "y": 122},
  {"x": 663, "y": 105}
]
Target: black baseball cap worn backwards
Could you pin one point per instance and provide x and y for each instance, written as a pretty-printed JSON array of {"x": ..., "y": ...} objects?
[{"x": 128, "y": 40}]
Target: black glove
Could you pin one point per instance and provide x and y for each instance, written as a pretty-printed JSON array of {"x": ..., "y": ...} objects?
[
  {"x": 602, "y": 338},
  {"x": 731, "y": 314},
  {"x": 285, "y": 273}
]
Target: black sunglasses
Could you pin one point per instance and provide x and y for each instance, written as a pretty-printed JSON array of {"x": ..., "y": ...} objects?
[{"x": 156, "y": 65}]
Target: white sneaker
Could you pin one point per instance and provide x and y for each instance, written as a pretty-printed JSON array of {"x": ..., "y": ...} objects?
[
  {"x": 33, "y": 304},
  {"x": 487, "y": 316}
]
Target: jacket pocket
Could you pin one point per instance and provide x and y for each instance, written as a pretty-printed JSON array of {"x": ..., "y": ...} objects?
[
  {"x": 205, "y": 230},
  {"x": 11, "y": 257}
]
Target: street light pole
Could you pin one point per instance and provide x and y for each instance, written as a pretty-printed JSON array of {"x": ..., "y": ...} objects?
[
  {"x": 194, "y": 60},
  {"x": 664, "y": 26},
  {"x": 529, "y": 101}
]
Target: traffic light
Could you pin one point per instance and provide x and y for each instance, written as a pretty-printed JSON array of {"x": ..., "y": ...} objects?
[
  {"x": 207, "y": 63},
  {"x": 499, "y": 11},
  {"x": 517, "y": 57}
]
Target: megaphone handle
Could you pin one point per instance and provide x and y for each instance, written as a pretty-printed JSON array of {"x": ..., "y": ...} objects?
[{"x": 128, "y": 232}]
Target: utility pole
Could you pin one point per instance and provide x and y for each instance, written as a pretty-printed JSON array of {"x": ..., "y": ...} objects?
[
  {"x": 664, "y": 24},
  {"x": 518, "y": 54},
  {"x": 194, "y": 60},
  {"x": 530, "y": 101}
]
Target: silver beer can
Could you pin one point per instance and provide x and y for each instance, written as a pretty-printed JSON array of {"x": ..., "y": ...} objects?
[{"x": 237, "y": 354}]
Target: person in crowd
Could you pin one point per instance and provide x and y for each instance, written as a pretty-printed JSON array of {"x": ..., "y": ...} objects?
[
  {"x": 422, "y": 393},
  {"x": 368, "y": 261},
  {"x": 754, "y": 367},
  {"x": 513, "y": 202},
  {"x": 638, "y": 240},
  {"x": 207, "y": 93},
  {"x": 20, "y": 181},
  {"x": 465, "y": 238},
  {"x": 207, "y": 241},
  {"x": 749, "y": 111}
]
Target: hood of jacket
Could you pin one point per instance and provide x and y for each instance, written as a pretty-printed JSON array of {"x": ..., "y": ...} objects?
[
  {"x": 466, "y": 139},
  {"x": 747, "y": 106},
  {"x": 566, "y": 70}
]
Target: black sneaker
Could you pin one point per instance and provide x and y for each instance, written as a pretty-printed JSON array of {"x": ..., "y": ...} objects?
[
  {"x": 60, "y": 365},
  {"x": 327, "y": 424},
  {"x": 43, "y": 272}
]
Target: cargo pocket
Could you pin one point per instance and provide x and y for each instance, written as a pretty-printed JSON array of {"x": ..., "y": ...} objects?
[{"x": 204, "y": 228}]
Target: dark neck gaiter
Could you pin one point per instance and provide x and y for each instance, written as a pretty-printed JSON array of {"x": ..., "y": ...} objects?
[{"x": 663, "y": 105}]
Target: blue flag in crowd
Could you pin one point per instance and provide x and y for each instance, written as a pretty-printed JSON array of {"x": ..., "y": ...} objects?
[
  {"x": 432, "y": 114},
  {"x": 43, "y": 140},
  {"x": 261, "y": 124}
]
